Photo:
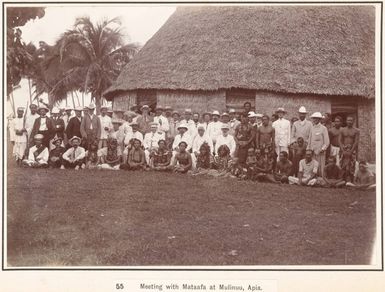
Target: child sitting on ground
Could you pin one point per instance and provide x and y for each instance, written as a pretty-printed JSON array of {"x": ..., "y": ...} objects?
[
  {"x": 92, "y": 157},
  {"x": 110, "y": 156},
  {"x": 332, "y": 176},
  {"x": 222, "y": 163},
  {"x": 160, "y": 158},
  {"x": 55, "y": 155},
  {"x": 204, "y": 160},
  {"x": 135, "y": 159},
  {"x": 182, "y": 162},
  {"x": 297, "y": 153},
  {"x": 265, "y": 167},
  {"x": 364, "y": 178},
  {"x": 283, "y": 168}
]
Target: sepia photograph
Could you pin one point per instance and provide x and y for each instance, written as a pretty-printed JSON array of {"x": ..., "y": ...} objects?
[{"x": 244, "y": 136}]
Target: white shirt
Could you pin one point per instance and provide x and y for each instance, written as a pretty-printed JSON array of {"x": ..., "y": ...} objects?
[
  {"x": 126, "y": 128},
  {"x": 151, "y": 139},
  {"x": 131, "y": 135},
  {"x": 42, "y": 157},
  {"x": 29, "y": 122},
  {"x": 301, "y": 129},
  {"x": 199, "y": 140},
  {"x": 214, "y": 130},
  {"x": 105, "y": 122},
  {"x": 118, "y": 135},
  {"x": 282, "y": 132},
  {"x": 91, "y": 117},
  {"x": 163, "y": 124},
  {"x": 191, "y": 128},
  {"x": 43, "y": 124},
  {"x": 186, "y": 138},
  {"x": 17, "y": 124},
  {"x": 233, "y": 124},
  {"x": 74, "y": 154},
  {"x": 228, "y": 140}
]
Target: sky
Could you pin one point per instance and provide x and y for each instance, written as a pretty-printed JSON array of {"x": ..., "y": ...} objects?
[{"x": 139, "y": 24}]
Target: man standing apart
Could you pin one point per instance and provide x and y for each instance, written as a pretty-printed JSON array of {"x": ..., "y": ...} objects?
[
  {"x": 90, "y": 127},
  {"x": 334, "y": 136},
  {"x": 105, "y": 126},
  {"x": 319, "y": 141},
  {"x": 302, "y": 127},
  {"x": 20, "y": 135},
  {"x": 282, "y": 132}
]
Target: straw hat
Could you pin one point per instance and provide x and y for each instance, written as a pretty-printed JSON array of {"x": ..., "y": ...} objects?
[
  {"x": 317, "y": 115},
  {"x": 302, "y": 110}
]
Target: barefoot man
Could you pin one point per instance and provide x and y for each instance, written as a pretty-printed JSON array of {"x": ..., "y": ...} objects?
[
  {"x": 265, "y": 135},
  {"x": 348, "y": 142},
  {"x": 334, "y": 136}
]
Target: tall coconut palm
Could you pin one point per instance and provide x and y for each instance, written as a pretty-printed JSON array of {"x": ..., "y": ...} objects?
[{"x": 92, "y": 56}]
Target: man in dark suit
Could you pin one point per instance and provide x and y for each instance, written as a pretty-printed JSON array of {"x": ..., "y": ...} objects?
[
  {"x": 58, "y": 123},
  {"x": 43, "y": 125},
  {"x": 90, "y": 127},
  {"x": 73, "y": 127}
]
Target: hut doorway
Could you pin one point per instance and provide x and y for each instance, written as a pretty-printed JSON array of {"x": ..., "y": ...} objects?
[
  {"x": 236, "y": 98},
  {"x": 147, "y": 97},
  {"x": 343, "y": 109}
]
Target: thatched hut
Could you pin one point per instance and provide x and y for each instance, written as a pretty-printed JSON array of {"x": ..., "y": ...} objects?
[{"x": 209, "y": 58}]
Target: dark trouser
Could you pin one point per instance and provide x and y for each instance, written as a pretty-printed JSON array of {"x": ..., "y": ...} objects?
[
  {"x": 241, "y": 154},
  {"x": 126, "y": 166},
  {"x": 68, "y": 164},
  {"x": 91, "y": 138},
  {"x": 55, "y": 164}
]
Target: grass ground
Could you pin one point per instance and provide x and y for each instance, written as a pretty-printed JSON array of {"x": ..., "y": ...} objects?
[{"x": 82, "y": 218}]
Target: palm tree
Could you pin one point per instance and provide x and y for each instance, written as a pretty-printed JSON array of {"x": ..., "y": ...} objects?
[{"x": 92, "y": 56}]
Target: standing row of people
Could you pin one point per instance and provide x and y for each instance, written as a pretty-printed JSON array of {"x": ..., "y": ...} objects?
[{"x": 238, "y": 132}]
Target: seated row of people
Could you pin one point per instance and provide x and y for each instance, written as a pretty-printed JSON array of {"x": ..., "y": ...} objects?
[{"x": 260, "y": 164}]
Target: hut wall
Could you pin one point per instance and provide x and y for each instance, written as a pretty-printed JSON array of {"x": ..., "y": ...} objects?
[
  {"x": 124, "y": 101},
  {"x": 198, "y": 101},
  {"x": 268, "y": 102},
  {"x": 367, "y": 126}
]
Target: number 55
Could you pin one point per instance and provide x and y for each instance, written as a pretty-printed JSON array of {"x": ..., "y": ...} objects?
[{"x": 119, "y": 286}]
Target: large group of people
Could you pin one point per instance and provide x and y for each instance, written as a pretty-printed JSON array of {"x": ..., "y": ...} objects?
[{"x": 243, "y": 145}]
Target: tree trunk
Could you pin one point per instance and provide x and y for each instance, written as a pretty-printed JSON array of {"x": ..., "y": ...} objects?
[
  {"x": 30, "y": 91},
  {"x": 73, "y": 100},
  {"x": 98, "y": 103}
]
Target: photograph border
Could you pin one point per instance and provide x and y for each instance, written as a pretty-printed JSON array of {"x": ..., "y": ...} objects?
[{"x": 183, "y": 268}]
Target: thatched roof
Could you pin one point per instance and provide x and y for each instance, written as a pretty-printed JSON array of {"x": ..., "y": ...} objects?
[{"x": 305, "y": 49}]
